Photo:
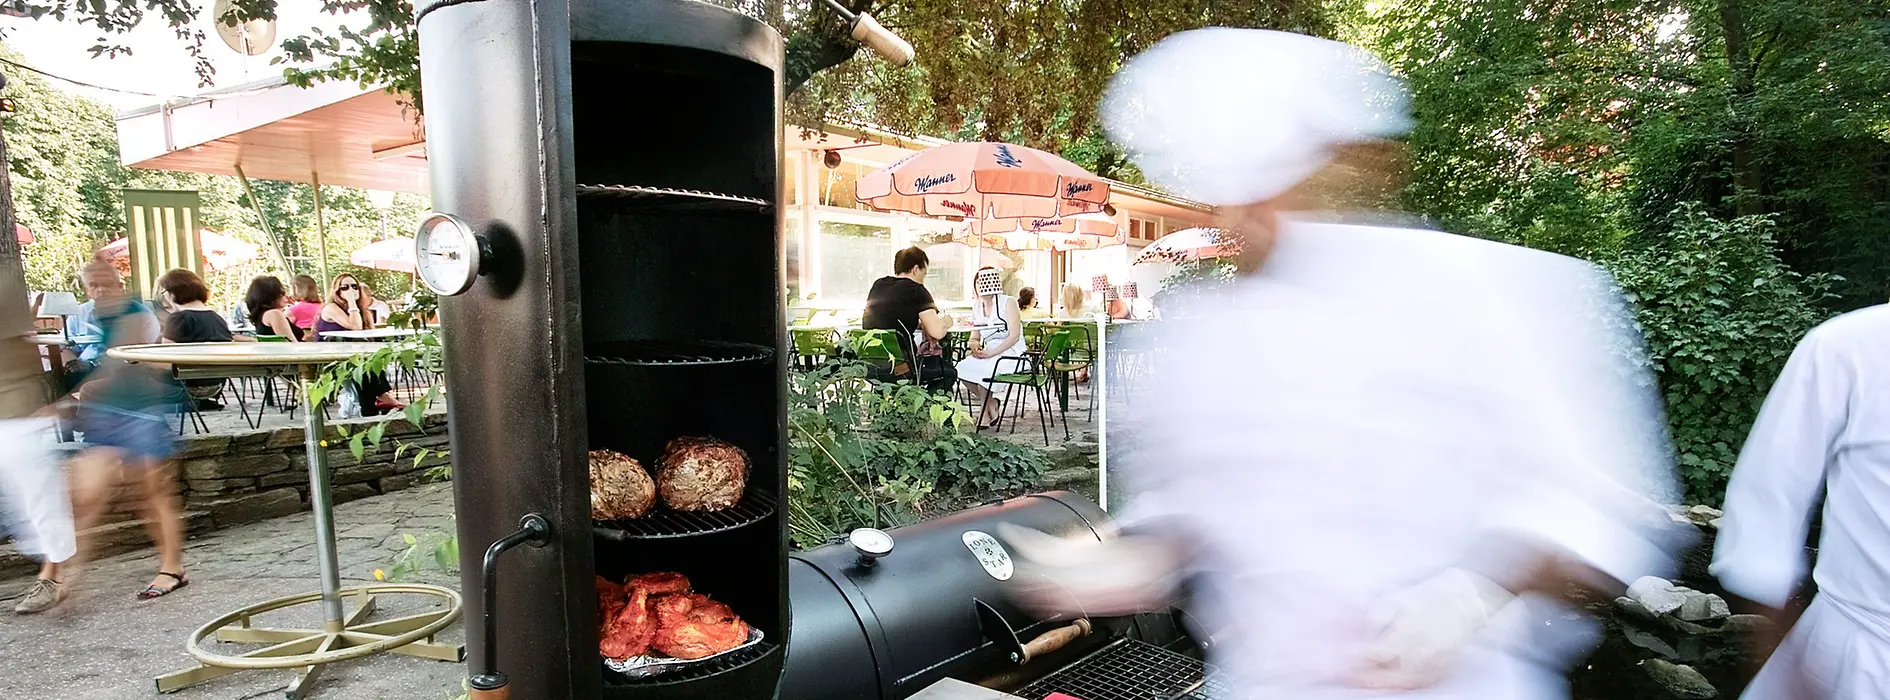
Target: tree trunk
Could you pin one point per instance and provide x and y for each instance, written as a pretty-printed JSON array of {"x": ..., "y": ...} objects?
[
  {"x": 1748, "y": 173},
  {"x": 12, "y": 266}
]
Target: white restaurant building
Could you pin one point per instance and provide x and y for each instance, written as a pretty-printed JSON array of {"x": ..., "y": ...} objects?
[{"x": 343, "y": 134}]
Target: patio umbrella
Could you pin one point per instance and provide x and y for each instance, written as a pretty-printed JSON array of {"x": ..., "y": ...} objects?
[
  {"x": 394, "y": 254},
  {"x": 220, "y": 252},
  {"x": 986, "y": 257},
  {"x": 1080, "y": 232},
  {"x": 1188, "y": 244},
  {"x": 984, "y": 180}
]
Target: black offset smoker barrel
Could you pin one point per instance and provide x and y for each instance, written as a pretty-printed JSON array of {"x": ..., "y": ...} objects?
[{"x": 620, "y": 160}]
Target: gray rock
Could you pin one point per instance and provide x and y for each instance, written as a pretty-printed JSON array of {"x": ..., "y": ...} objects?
[
  {"x": 203, "y": 446},
  {"x": 1746, "y": 624},
  {"x": 1703, "y": 607},
  {"x": 291, "y": 477},
  {"x": 221, "y": 485},
  {"x": 1691, "y": 629},
  {"x": 1634, "y": 608},
  {"x": 228, "y": 467},
  {"x": 1649, "y": 641},
  {"x": 249, "y": 508},
  {"x": 1704, "y": 512},
  {"x": 364, "y": 472},
  {"x": 353, "y": 492},
  {"x": 1656, "y": 594},
  {"x": 1714, "y": 523},
  {"x": 1679, "y": 681}
]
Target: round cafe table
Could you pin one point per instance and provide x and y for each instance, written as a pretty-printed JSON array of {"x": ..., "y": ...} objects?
[{"x": 343, "y": 636}]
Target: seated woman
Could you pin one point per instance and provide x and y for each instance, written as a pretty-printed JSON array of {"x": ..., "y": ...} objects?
[
  {"x": 998, "y": 332},
  {"x": 1027, "y": 305},
  {"x": 346, "y": 309},
  {"x": 307, "y": 308},
  {"x": 193, "y": 321},
  {"x": 268, "y": 309}
]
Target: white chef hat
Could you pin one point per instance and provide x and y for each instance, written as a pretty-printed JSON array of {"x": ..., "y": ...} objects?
[{"x": 1235, "y": 116}]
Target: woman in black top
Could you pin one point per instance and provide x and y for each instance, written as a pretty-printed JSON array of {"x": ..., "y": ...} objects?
[
  {"x": 267, "y": 301},
  {"x": 193, "y": 321}
]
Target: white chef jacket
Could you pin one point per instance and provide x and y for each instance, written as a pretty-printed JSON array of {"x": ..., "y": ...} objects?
[
  {"x": 1363, "y": 412},
  {"x": 1824, "y": 430}
]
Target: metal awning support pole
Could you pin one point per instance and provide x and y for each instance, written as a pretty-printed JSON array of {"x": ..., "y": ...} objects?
[
  {"x": 321, "y": 227},
  {"x": 269, "y": 232}
]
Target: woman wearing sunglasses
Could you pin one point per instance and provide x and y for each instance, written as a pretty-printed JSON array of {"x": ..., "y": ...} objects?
[{"x": 346, "y": 309}]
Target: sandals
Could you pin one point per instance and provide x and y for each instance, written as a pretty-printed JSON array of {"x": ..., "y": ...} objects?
[{"x": 153, "y": 591}]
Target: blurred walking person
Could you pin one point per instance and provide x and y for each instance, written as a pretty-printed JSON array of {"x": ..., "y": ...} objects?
[
  {"x": 1822, "y": 432},
  {"x": 1385, "y": 453},
  {"x": 32, "y": 485},
  {"x": 122, "y": 411}
]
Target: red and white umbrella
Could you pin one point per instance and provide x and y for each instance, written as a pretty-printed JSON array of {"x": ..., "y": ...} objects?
[
  {"x": 984, "y": 180},
  {"x": 1080, "y": 232},
  {"x": 220, "y": 252},
  {"x": 1188, "y": 244},
  {"x": 393, "y": 254},
  {"x": 955, "y": 251}
]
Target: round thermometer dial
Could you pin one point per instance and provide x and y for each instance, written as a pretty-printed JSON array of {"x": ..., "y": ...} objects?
[{"x": 446, "y": 254}]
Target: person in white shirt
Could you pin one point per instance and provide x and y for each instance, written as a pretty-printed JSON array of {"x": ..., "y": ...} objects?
[
  {"x": 1389, "y": 451},
  {"x": 1824, "y": 431}
]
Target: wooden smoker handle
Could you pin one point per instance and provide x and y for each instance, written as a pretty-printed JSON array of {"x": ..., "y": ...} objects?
[
  {"x": 500, "y": 693},
  {"x": 1053, "y": 640}
]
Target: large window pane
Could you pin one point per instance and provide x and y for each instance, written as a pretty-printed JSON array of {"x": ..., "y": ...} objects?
[
  {"x": 851, "y": 257},
  {"x": 946, "y": 277}
]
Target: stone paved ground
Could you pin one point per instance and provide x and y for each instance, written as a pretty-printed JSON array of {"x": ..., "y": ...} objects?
[{"x": 104, "y": 645}]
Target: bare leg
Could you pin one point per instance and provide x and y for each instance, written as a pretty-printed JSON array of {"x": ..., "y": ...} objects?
[
  {"x": 163, "y": 519},
  {"x": 94, "y": 472},
  {"x": 984, "y": 398}
]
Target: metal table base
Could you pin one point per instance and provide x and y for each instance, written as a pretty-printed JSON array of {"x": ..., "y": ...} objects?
[{"x": 343, "y": 636}]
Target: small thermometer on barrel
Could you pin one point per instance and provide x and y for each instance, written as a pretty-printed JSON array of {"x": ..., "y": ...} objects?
[{"x": 447, "y": 254}]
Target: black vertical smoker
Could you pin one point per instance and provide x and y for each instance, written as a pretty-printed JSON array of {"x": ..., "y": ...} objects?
[{"x": 620, "y": 163}]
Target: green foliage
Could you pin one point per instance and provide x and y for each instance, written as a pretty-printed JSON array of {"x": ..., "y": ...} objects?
[
  {"x": 874, "y": 454},
  {"x": 1193, "y": 280},
  {"x": 63, "y": 159},
  {"x": 1720, "y": 314}
]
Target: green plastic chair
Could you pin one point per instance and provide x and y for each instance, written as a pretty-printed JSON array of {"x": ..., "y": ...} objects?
[
  {"x": 1033, "y": 373},
  {"x": 271, "y": 339},
  {"x": 879, "y": 348},
  {"x": 813, "y": 346}
]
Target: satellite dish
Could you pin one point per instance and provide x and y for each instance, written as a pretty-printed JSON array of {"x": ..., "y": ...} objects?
[{"x": 252, "y": 38}]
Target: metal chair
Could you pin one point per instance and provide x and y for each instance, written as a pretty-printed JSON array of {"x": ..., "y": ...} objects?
[
  {"x": 812, "y": 346},
  {"x": 1033, "y": 372}
]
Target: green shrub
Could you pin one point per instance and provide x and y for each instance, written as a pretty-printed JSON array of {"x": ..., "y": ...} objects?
[
  {"x": 1720, "y": 313},
  {"x": 864, "y": 453}
]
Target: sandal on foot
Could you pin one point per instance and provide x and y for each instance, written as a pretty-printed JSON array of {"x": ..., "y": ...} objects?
[{"x": 152, "y": 591}]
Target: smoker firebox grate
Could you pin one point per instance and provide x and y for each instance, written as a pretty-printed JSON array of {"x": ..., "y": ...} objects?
[
  {"x": 670, "y": 353},
  {"x": 718, "y": 665},
  {"x": 671, "y": 198},
  {"x": 664, "y": 522},
  {"x": 1126, "y": 670}
]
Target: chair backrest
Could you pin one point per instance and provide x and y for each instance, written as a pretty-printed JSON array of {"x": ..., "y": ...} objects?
[
  {"x": 800, "y": 314},
  {"x": 1033, "y": 335},
  {"x": 875, "y": 345},
  {"x": 1057, "y": 344},
  {"x": 813, "y": 341},
  {"x": 271, "y": 339}
]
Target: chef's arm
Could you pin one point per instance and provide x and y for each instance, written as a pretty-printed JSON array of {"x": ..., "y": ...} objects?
[{"x": 1760, "y": 554}]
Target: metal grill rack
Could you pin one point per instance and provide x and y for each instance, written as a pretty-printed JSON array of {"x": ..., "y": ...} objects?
[
  {"x": 667, "y": 353},
  {"x": 716, "y": 666},
  {"x": 671, "y": 198},
  {"x": 664, "y": 522},
  {"x": 1126, "y": 670}
]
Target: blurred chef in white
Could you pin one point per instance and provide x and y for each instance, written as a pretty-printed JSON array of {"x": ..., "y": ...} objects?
[
  {"x": 1824, "y": 431},
  {"x": 1389, "y": 450}
]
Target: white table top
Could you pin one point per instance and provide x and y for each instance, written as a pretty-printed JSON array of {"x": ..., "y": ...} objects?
[
  {"x": 371, "y": 334},
  {"x": 57, "y": 339},
  {"x": 244, "y": 354}
]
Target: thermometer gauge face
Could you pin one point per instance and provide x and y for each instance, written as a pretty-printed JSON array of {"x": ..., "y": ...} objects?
[
  {"x": 446, "y": 254},
  {"x": 870, "y": 542}
]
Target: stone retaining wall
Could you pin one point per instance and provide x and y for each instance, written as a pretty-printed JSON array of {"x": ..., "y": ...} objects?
[{"x": 229, "y": 480}]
